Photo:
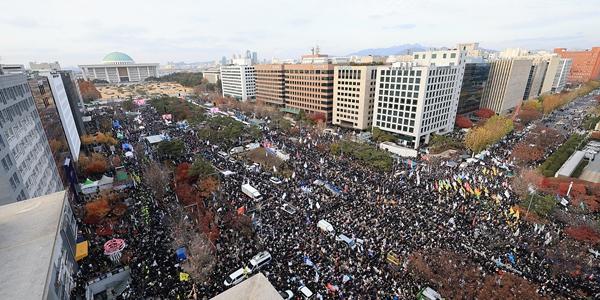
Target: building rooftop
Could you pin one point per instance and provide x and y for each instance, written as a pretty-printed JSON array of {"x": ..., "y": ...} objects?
[
  {"x": 118, "y": 58},
  {"x": 571, "y": 164},
  {"x": 255, "y": 287},
  {"x": 28, "y": 231}
]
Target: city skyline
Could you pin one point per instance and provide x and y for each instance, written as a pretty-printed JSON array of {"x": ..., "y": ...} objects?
[{"x": 155, "y": 31}]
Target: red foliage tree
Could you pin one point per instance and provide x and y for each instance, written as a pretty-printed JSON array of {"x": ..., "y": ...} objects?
[
  {"x": 525, "y": 153},
  {"x": 88, "y": 91},
  {"x": 96, "y": 210},
  {"x": 583, "y": 233},
  {"x": 484, "y": 113},
  {"x": 181, "y": 173},
  {"x": 463, "y": 122},
  {"x": 316, "y": 117},
  {"x": 529, "y": 115}
]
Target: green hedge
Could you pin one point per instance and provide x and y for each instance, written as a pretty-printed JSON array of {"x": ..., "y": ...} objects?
[
  {"x": 542, "y": 205},
  {"x": 558, "y": 158}
]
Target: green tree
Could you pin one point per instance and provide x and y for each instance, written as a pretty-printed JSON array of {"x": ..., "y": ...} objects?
[
  {"x": 201, "y": 168},
  {"x": 173, "y": 148},
  {"x": 382, "y": 136}
]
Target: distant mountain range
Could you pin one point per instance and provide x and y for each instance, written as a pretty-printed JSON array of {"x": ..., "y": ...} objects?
[{"x": 394, "y": 50}]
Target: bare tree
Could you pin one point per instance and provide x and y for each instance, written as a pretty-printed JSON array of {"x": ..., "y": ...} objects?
[{"x": 157, "y": 177}]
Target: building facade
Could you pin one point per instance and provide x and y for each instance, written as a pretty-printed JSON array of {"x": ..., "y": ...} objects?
[
  {"x": 474, "y": 80},
  {"x": 117, "y": 67},
  {"x": 270, "y": 84},
  {"x": 28, "y": 168},
  {"x": 585, "y": 64},
  {"x": 75, "y": 100},
  {"x": 556, "y": 75},
  {"x": 48, "y": 112},
  {"x": 212, "y": 75},
  {"x": 414, "y": 101},
  {"x": 535, "y": 80},
  {"x": 64, "y": 111},
  {"x": 506, "y": 84},
  {"x": 354, "y": 96},
  {"x": 239, "y": 82},
  {"x": 309, "y": 88}
]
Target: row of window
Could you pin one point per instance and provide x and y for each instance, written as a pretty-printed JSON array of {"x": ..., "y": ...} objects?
[{"x": 13, "y": 92}]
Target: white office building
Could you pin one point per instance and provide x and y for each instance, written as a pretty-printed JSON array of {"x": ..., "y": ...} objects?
[
  {"x": 64, "y": 111},
  {"x": 117, "y": 67},
  {"x": 417, "y": 99},
  {"x": 28, "y": 169},
  {"x": 239, "y": 82},
  {"x": 556, "y": 75}
]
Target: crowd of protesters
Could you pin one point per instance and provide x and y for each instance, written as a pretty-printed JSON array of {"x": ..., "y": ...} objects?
[{"x": 418, "y": 206}]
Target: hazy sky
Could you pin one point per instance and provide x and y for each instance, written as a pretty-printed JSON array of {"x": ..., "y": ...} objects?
[{"x": 79, "y": 32}]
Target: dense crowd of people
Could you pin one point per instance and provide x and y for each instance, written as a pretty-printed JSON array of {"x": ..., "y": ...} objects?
[{"x": 418, "y": 206}]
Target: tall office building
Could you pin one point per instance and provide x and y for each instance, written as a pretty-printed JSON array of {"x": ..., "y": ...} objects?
[
  {"x": 28, "y": 168},
  {"x": 506, "y": 84},
  {"x": 270, "y": 84},
  {"x": 309, "y": 88},
  {"x": 417, "y": 99},
  {"x": 585, "y": 64},
  {"x": 48, "y": 112},
  {"x": 238, "y": 81},
  {"x": 75, "y": 100},
  {"x": 44, "y": 66},
  {"x": 474, "y": 80},
  {"x": 354, "y": 96},
  {"x": 537, "y": 72},
  {"x": 556, "y": 75},
  {"x": 64, "y": 112}
]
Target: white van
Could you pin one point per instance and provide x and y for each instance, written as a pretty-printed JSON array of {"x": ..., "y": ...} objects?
[
  {"x": 325, "y": 226},
  {"x": 237, "y": 276},
  {"x": 305, "y": 292},
  {"x": 259, "y": 260}
]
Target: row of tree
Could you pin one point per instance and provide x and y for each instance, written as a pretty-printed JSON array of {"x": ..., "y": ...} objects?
[
  {"x": 492, "y": 131},
  {"x": 187, "y": 79}
]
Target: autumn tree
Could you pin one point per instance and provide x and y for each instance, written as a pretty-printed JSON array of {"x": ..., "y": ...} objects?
[
  {"x": 527, "y": 115},
  {"x": 88, "y": 91},
  {"x": 494, "y": 129},
  {"x": 94, "y": 164},
  {"x": 484, "y": 113},
  {"x": 96, "y": 210},
  {"x": 463, "y": 122},
  {"x": 528, "y": 152}
]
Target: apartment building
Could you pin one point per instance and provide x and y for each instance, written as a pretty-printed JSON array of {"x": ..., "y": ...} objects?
[
  {"x": 309, "y": 88},
  {"x": 270, "y": 84},
  {"x": 28, "y": 168},
  {"x": 585, "y": 64},
  {"x": 506, "y": 84},
  {"x": 414, "y": 101},
  {"x": 238, "y": 81},
  {"x": 354, "y": 96}
]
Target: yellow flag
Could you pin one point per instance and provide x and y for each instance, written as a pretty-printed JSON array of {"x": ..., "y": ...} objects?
[{"x": 184, "y": 276}]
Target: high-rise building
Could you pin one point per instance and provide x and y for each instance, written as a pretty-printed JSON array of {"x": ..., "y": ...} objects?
[
  {"x": 254, "y": 58},
  {"x": 117, "y": 67},
  {"x": 48, "y": 112},
  {"x": 64, "y": 111},
  {"x": 75, "y": 100},
  {"x": 270, "y": 84},
  {"x": 28, "y": 168},
  {"x": 11, "y": 69},
  {"x": 474, "y": 80},
  {"x": 506, "y": 84},
  {"x": 309, "y": 88},
  {"x": 585, "y": 64},
  {"x": 556, "y": 75},
  {"x": 238, "y": 81},
  {"x": 417, "y": 99},
  {"x": 354, "y": 96},
  {"x": 537, "y": 72}
]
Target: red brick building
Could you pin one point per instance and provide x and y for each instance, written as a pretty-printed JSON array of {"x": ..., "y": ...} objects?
[{"x": 586, "y": 64}]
